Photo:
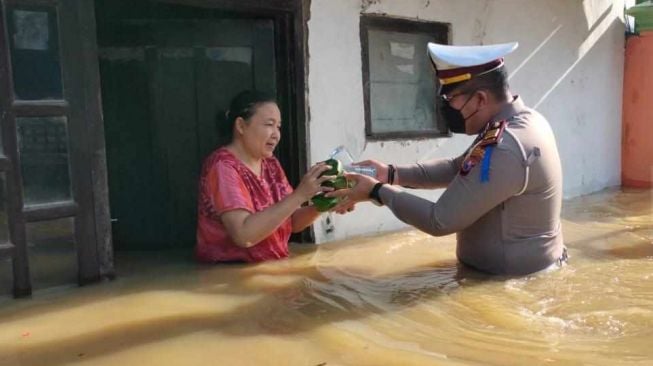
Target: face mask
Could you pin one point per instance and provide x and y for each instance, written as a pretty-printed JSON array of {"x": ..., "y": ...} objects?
[{"x": 453, "y": 117}]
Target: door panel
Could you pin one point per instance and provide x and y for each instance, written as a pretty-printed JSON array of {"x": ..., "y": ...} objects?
[
  {"x": 217, "y": 75},
  {"x": 48, "y": 135},
  {"x": 130, "y": 146},
  {"x": 188, "y": 73},
  {"x": 176, "y": 158}
]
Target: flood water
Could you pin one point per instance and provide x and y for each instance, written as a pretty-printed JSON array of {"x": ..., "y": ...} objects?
[{"x": 398, "y": 299}]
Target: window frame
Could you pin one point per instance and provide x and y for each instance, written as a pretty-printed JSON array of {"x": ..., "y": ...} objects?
[{"x": 439, "y": 31}]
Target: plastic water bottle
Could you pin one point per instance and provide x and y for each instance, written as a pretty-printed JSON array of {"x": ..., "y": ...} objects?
[
  {"x": 362, "y": 169},
  {"x": 341, "y": 154}
]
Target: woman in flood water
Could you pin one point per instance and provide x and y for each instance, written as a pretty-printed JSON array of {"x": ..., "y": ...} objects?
[{"x": 247, "y": 209}]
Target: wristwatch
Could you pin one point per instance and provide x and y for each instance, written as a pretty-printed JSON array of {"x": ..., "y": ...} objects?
[
  {"x": 391, "y": 174},
  {"x": 374, "y": 194}
]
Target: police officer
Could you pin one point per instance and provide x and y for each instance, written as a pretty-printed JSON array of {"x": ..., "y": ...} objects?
[{"x": 503, "y": 194}]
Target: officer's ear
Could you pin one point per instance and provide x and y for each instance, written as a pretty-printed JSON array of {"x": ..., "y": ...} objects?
[{"x": 483, "y": 98}]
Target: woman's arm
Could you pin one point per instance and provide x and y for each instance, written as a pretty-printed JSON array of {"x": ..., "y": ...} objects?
[
  {"x": 247, "y": 229},
  {"x": 303, "y": 217}
]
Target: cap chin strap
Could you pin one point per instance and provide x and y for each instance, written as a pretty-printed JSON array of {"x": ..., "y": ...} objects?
[{"x": 500, "y": 65}]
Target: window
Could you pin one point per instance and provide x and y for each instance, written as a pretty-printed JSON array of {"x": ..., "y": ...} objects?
[
  {"x": 398, "y": 79},
  {"x": 34, "y": 40},
  {"x": 44, "y": 160}
]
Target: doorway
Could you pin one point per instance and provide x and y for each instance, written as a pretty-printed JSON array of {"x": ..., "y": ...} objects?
[{"x": 168, "y": 73}]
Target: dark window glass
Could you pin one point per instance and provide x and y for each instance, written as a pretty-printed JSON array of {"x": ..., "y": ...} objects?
[
  {"x": 43, "y": 148},
  {"x": 34, "y": 40}
]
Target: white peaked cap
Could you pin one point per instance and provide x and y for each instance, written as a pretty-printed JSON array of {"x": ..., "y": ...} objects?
[{"x": 455, "y": 64}]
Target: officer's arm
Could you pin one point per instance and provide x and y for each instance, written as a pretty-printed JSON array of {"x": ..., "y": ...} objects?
[
  {"x": 437, "y": 173},
  {"x": 464, "y": 201}
]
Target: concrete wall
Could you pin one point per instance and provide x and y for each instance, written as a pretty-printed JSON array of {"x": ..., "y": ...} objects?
[{"x": 569, "y": 66}]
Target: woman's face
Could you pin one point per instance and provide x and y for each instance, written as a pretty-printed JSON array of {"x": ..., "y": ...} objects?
[{"x": 262, "y": 132}]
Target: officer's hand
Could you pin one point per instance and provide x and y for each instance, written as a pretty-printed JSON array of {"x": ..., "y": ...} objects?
[
  {"x": 381, "y": 169},
  {"x": 360, "y": 192},
  {"x": 344, "y": 206}
]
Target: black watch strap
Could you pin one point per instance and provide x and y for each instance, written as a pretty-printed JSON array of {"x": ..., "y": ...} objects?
[
  {"x": 391, "y": 174},
  {"x": 374, "y": 193}
]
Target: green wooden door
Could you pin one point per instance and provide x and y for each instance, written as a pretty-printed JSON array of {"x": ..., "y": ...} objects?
[{"x": 165, "y": 85}]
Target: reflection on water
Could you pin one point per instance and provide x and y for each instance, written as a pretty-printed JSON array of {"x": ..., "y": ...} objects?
[{"x": 397, "y": 299}]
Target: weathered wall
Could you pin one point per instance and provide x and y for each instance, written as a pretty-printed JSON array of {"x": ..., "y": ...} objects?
[{"x": 569, "y": 66}]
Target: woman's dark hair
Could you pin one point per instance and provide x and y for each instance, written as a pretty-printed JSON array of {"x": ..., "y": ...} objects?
[{"x": 243, "y": 105}]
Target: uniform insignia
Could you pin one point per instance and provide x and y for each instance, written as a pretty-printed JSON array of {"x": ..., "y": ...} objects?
[
  {"x": 472, "y": 159},
  {"x": 482, "y": 150},
  {"x": 493, "y": 133}
]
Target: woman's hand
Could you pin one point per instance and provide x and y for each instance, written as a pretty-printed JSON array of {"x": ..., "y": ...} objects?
[
  {"x": 311, "y": 183},
  {"x": 360, "y": 192},
  {"x": 381, "y": 169}
]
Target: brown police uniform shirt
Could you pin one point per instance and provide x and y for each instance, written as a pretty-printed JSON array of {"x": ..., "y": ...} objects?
[{"x": 505, "y": 207}]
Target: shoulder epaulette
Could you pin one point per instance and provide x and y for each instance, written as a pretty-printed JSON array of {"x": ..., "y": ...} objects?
[{"x": 493, "y": 134}]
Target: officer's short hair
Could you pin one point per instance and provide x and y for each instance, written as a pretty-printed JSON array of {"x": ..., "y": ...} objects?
[{"x": 494, "y": 82}]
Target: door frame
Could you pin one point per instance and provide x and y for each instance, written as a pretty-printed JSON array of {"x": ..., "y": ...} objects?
[{"x": 290, "y": 19}]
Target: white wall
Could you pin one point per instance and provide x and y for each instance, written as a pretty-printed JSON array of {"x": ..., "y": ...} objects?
[{"x": 569, "y": 66}]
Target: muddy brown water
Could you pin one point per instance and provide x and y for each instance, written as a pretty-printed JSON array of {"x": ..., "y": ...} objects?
[{"x": 397, "y": 299}]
